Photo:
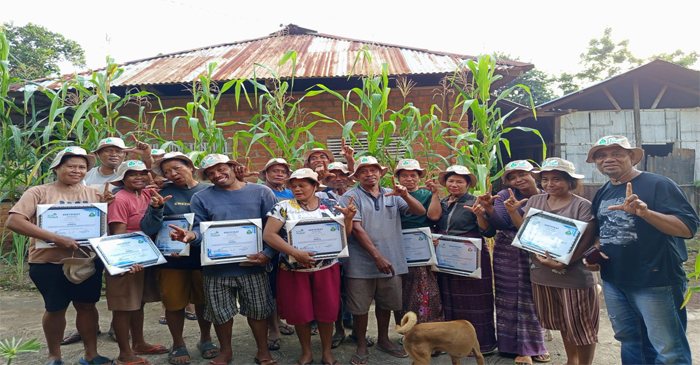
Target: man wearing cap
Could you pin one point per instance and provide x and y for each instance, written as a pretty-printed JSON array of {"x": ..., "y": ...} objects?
[
  {"x": 275, "y": 172},
  {"x": 339, "y": 182},
  {"x": 377, "y": 254},
  {"x": 643, "y": 220},
  {"x": 231, "y": 199},
  {"x": 46, "y": 264},
  {"x": 111, "y": 152}
]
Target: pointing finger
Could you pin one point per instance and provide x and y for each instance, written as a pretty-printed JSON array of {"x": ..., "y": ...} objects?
[
  {"x": 342, "y": 143},
  {"x": 167, "y": 198},
  {"x": 476, "y": 202},
  {"x": 511, "y": 192},
  {"x": 393, "y": 182},
  {"x": 106, "y": 188},
  {"x": 629, "y": 190},
  {"x": 352, "y": 198},
  {"x": 176, "y": 228}
]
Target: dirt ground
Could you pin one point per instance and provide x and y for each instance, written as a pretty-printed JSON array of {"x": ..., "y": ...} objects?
[{"x": 21, "y": 312}]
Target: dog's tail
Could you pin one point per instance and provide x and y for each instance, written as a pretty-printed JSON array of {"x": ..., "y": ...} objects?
[{"x": 407, "y": 322}]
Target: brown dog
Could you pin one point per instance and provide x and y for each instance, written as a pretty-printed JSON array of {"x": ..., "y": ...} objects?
[{"x": 457, "y": 338}]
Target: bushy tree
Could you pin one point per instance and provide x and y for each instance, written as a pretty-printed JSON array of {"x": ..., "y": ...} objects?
[
  {"x": 536, "y": 80},
  {"x": 36, "y": 51}
]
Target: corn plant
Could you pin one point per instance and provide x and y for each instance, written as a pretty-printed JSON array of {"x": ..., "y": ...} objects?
[
  {"x": 10, "y": 350},
  {"x": 16, "y": 258}
]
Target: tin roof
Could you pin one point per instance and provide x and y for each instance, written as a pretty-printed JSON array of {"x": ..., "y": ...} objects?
[{"x": 318, "y": 56}]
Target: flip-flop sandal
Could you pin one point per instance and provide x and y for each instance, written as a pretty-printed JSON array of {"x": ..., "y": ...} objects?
[
  {"x": 162, "y": 320},
  {"x": 264, "y": 361},
  {"x": 305, "y": 363},
  {"x": 207, "y": 346},
  {"x": 363, "y": 360},
  {"x": 177, "y": 352},
  {"x": 286, "y": 329},
  {"x": 273, "y": 345},
  {"x": 368, "y": 339},
  {"x": 337, "y": 341},
  {"x": 140, "y": 362},
  {"x": 192, "y": 316},
  {"x": 72, "y": 337},
  {"x": 523, "y": 360},
  {"x": 97, "y": 360},
  {"x": 393, "y": 352},
  {"x": 314, "y": 329},
  {"x": 546, "y": 357},
  {"x": 155, "y": 350}
]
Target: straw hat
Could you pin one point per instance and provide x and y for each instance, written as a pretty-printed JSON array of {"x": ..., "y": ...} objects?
[
  {"x": 517, "y": 165},
  {"x": 211, "y": 160},
  {"x": 367, "y": 161},
  {"x": 73, "y": 151},
  {"x": 409, "y": 164},
  {"x": 559, "y": 164},
  {"x": 156, "y": 167},
  {"x": 129, "y": 165},
  {"x": 270, "y": 163},
  {"x": 612, "y": 141},
  {"x": 459, "y": 170},
  {"x": 310, "y": 152},
  {"x": 338, "y": 166},
  {"x": 110, "y": 141},
  {"x": 303, "y": 173}
]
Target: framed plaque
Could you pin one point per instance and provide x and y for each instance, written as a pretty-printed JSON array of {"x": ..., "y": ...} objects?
[
  {"x": 323, "y": 236},
  {"x": 543, "y": 231},
  {"x": 163, "y": 241},
  {"x": 227, "y": 242},
  {"x": 418, "y": 243},
  {"x": 120, "y": 252},
  {"x": 77, "y": 221},
  {"x": 458, "y": 255}
]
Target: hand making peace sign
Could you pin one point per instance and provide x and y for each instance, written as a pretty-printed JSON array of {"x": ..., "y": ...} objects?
[
  {"x": 487, "y": 200},
  {"x": 242, "y": 171},
  {"x": 399, "y": 190},
  {"x": 350, "y": 210},
  {"x": 430, "y": 184},
  {"x": 140, "y": 148},
  {"x": 106, "y": 196},
  {"x": 158, "y": 201},
  {"x": 632, "y": 204},
  {"x": 513, "y": 204}
]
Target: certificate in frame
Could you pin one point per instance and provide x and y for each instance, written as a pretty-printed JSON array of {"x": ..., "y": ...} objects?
[
  {"x": 77, "y": 221},
  {"x": 163, "y": 241},
  {"x": 229, "y": 242},
  {"x": 120, "y": 252},
  {"x": 458, "y": 255},
  {"x": 420, "y": 250},
  {"x": 543, "y": 231},
  {"x": 323, "y": 236}
]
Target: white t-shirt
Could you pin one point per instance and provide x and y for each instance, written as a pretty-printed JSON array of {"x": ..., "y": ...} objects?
[{"x": 95, "y": 179}]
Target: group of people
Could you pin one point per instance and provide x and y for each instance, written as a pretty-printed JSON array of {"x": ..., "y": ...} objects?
[{"x": 637, "y": 220}]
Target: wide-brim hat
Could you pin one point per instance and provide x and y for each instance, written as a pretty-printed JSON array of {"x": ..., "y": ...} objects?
[
  {"x": 559, "y": 164},
  {"x": 338, "y": 166},
  {"x": 73, "y": 151},
  {"x": 129, "y": 165},
  {"x": 77, "y": 269},
  {"x": 211, "y": 160},
  {"x": 612, "y": 141},
  {"x": 110, "y": 141},
  {"x": 156, "y": 167},
  {"x": 409, "y": 164},
  {"x": 303, "y": 173},
  {"x": 459, "y": 170},
  {"x": 270, "y": 163},
  {"x": 367, "y": 161},
  {"x": 310, "y": 152},
  {"x": 157, "y": 152},
  {"x": 517, "y": 165}
]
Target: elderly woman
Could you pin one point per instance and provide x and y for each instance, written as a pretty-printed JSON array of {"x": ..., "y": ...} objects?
[
  {"x": 518, "y": 328},
  {"x": 420, "y": 291},
  {"x": 46, "y": 265},
  {"x": 180, "y": 280},
  {"x": 565, "y": 295},
  {"x": 465, "y": 298},
  {"x": 126, "y": 294},
  {"x": 314, "y": 284}
]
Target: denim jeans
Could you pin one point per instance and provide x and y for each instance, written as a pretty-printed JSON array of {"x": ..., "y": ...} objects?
[{"x": 648, "y": 323}]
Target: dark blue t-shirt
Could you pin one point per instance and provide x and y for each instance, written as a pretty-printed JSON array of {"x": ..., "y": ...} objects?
[{"x": 640, "y": 254}]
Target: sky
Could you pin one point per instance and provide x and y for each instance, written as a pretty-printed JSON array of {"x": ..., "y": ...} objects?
[{"x": 549, "y": 34}]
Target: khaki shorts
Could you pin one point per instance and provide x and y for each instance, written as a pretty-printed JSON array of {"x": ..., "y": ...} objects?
[
  {"x": 386, "y": 293},
  {"x": 129, "y": 292},
  {"x": 180, "y": 287}
]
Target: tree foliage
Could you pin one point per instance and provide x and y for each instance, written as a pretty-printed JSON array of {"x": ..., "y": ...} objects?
[
  {"x": 37, "y": 51},
  {"x": 536, "y": 80}
]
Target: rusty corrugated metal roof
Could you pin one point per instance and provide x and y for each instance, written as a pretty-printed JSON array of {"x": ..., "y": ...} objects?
[{"x": 318, "y": 56}]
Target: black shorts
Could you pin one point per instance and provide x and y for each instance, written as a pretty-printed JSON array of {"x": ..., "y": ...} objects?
[{"x": 58, "y": 292}]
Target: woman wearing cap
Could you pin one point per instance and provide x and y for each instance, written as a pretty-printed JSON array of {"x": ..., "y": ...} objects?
[
  {"x": 518, "y": 328},
  {"x": 126, "y": 294},
  {"x": 180, "y": 280},
  {"x": 314, "y": 285},
  {"x": 565, "y": 295},
  {"x": 459, "y": 214},
  {"x": 420, "y": 291},
  {"x": 46, "y": 265}
]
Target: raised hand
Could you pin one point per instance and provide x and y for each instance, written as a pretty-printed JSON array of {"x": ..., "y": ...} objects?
[
  {"x": 477, "y": 208},
  {"x": 349, "y": 211},
  {"x": 430, "y": 184},
  {"x": 632, "y": 204},
  {"x": 106, "y": 196},
  {"x": 242, "y": 171},
  {"x": 549, "y": 262},
  {"x": 487, "y": 200},
  {"x": 158, "y": 201},
  {"x": 140, "y": 148},
  {"x": 513, "y": 204},
  {"x": 346, "y": 151},
  {"x": 179, "y": 234},
  {"x": 323, "y": 172},
  {"x": 399, "y": 190}
]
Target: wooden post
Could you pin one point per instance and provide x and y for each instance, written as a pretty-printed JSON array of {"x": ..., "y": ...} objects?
[
  {"x": 637, "y": 116},
  {"x": 557, "y": 137}
]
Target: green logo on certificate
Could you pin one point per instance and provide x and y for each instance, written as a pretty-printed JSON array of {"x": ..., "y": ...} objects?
[
  {"x": 333, "y": 229},
  {"x": 249, "y": 232},
  {"x": 52, "y": 215},
  {"x": 215, "y": 234},
  {"x": 140, "y": 241},
  {"x": 92, "y": 214},
  {"x": 569, "y": 233},
  {"x": 420, "y": 238}
]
